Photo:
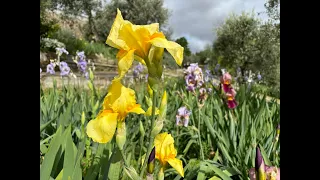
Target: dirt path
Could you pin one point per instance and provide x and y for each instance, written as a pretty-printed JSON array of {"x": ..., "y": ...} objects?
[{"x": 103, "y": 80}]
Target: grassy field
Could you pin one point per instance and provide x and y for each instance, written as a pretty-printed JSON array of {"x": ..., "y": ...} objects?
[{"x": 218, "y": 142}]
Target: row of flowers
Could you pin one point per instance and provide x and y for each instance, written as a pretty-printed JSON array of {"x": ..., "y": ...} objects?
[{"x": 79, "y": 59}]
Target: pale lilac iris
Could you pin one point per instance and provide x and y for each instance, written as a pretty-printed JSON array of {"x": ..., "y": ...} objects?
[
  {"x": 81, "y": 55},
  {"x": 259, "y": 77},
  {"x": 86, "y": 75},
  {"x": 64, "y": 69},
  {"x": 62, "y": 50},
  {"x": 182, "y": 117},
  {"x": 82, "y": 65},
  {"x": 208, "y": 76},
  {"x": 137, "y": 70},
  {"x": 50, "y": 68}
]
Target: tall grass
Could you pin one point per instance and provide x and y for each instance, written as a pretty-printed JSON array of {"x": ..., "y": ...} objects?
[{"x": 228, "y": 137}]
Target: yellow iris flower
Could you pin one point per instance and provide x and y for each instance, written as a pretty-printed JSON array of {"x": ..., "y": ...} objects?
[
  {"x": 140, "y": 42},
  {"x": 117, "y": 104},
  {"x": 165, "y": 152}
]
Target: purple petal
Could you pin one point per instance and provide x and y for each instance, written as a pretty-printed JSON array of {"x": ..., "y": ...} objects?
[{"x": 232, "y": 104}]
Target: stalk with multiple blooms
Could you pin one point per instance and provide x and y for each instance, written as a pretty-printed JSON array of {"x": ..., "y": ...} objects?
[
  {"x": 144, "y": 43},
  {"x": 228, "y": 89},
  {"x": 63, "y": 66}
]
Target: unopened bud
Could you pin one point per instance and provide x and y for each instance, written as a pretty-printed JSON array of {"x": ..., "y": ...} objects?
[
  {"x": 142, "y": 132},
  {"x": 157, "y": 128},
  {"x": 151, "y": 161},
  {"x": 91, "y": 76},
  {"x": 83, "y": 118},
  {"x": 260, "y": 166},
  {"x": 161, "y": 174},
  {"x": 121, "y": 134}
]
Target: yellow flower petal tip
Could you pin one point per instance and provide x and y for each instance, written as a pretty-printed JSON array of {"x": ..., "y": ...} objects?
[
  {"x": 166, "y": 153},
  {"x": 102, "y": 128},
  {"x": 177, "y": 165}
]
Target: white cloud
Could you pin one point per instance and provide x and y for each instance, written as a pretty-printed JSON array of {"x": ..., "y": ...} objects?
[{"x": 197, "y": 19}]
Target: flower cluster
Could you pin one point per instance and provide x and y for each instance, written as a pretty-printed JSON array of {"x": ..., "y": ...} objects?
[
  {"x": 137, "y": 70},
  {"x": 63, "y": 66},
  {"x": 182, "y": 117},
  {"x": 82, "y": 64},
  {"x": 60, "y": 51},
  {"x": 247, "y": 77},
  {"x": 208, "y": 75},
  {"x": 193, "y": 77},
  {"x": 64, "y": 69},
  {"x": 228, "y": 89},
  {"x": 145, "y": 44}
]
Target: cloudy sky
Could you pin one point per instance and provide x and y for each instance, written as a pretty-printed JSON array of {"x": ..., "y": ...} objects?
[{"x": 196, "y": 19}]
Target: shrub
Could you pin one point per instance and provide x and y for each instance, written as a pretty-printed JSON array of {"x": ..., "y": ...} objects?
[{"x": 47, "y": 44}]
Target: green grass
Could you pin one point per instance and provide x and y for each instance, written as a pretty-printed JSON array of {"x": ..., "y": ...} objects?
[{"x": 228, "y": 137}]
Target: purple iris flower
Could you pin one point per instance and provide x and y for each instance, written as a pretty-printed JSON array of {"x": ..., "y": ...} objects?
[
  {"x": 64, "y": 69},
  {"x": 50, "y": 68},
  {"x": 182, "y": 117}
]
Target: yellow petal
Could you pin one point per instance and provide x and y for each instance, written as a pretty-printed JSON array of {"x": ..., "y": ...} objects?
[
  {"x": 135, "y": 37},
  {"x": 125, "y": 59},
  {"x": 177, "y": 165},
  {"x": 150, "y": 91},
  {"x": 151, "y": 28},
  {"x": 140, "y": 59},
  {"x": 164, "y": 144},
  {"x": 113, "y": 37},
  {"x": 173, "y": 48},
  {"x": 149, "y": 111},
  {"x": 137, "y": 109},
  {"x": 121, "y": 100},
  {"x": 102, "y": 128}
]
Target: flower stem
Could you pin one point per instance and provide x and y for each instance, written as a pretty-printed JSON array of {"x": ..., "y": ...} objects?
[
  {"x": 199, "y": 135},
  {"x": 151, "y": 138},
  {"x": 141, "y": 147},
  {"x": 124, "y": 158},
  {"x": 177, "y": 136}
]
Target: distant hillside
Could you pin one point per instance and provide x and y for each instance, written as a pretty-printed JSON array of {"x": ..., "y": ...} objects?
[{"x": 74, "y": 23}]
